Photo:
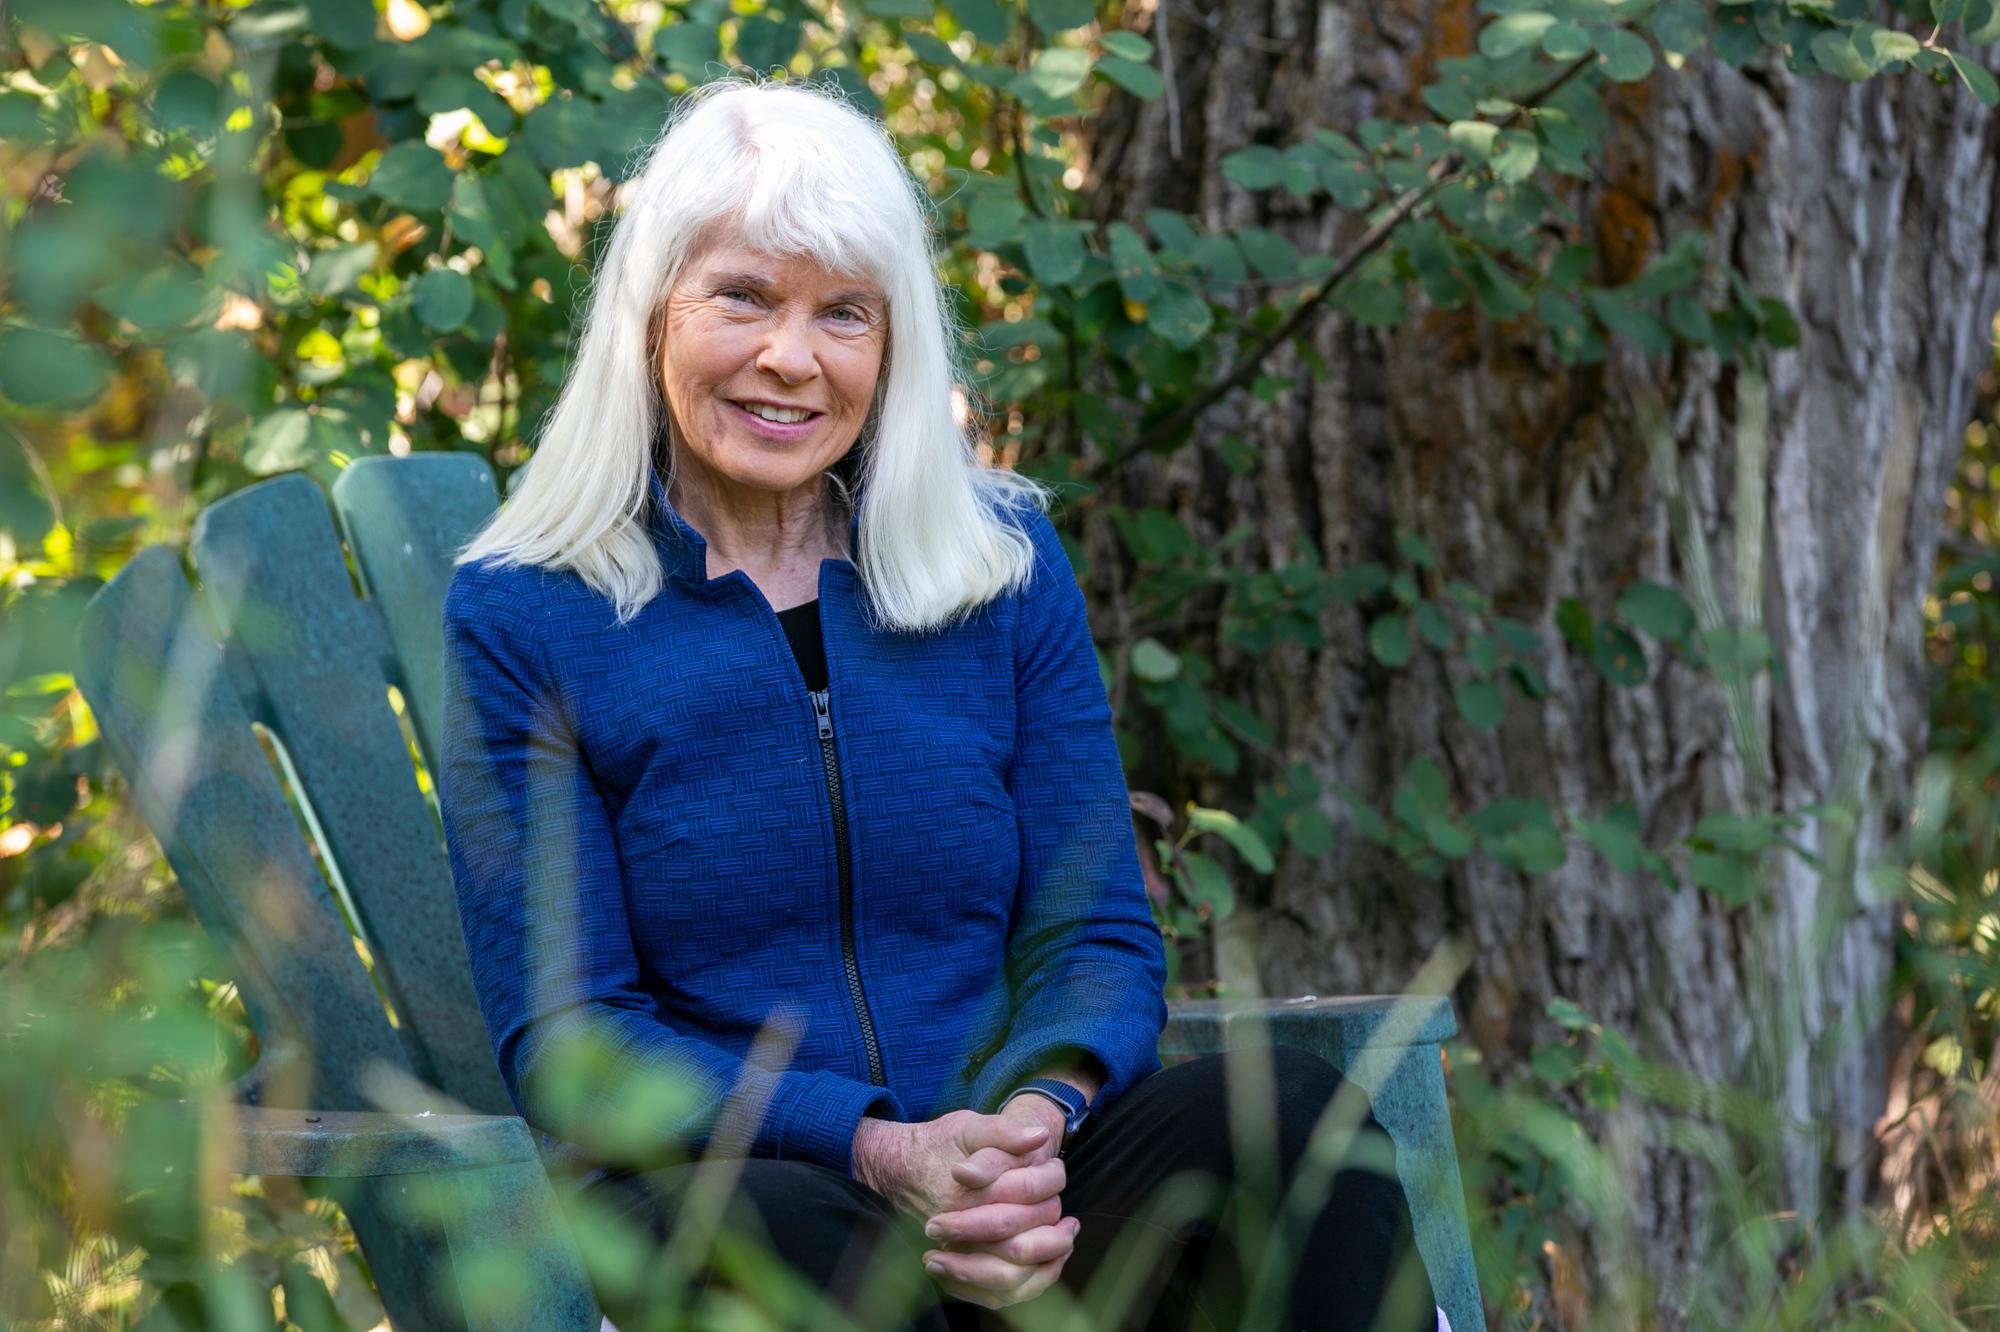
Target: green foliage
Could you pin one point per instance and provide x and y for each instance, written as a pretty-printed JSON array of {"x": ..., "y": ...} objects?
[{"x": 249, "y": 239}]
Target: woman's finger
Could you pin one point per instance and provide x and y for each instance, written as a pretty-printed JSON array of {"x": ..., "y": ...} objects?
[
  {"x": 983, "y": 1167},
  {"x": 992, "y": 1221},
  {"x": 1004, "y": 1268},
  {"x": 1002, "y": 1131},
  {"x": 1023, "y": 1184},
  {"x": 1037, "y": 1280},
  {"x": 1032, "y": 1247}
]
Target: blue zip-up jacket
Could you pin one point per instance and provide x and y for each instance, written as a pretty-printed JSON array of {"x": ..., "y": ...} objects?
[{"x": 927, "y": 876}]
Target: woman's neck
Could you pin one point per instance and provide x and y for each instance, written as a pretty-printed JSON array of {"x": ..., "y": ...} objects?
[{"x": 776, "y": 538}]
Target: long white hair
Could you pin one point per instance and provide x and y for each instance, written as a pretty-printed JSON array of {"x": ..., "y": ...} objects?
[{"x": 795, "y": 171}]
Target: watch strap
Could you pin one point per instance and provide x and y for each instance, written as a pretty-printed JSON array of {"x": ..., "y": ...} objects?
[{"x": 1075, "y": 1105}]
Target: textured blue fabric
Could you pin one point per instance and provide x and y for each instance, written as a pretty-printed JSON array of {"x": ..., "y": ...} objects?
[{"x": 641, "y": 839}]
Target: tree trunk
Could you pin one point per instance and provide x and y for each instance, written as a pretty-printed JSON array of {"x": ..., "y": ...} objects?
[{"x": 1871, "y": 210}]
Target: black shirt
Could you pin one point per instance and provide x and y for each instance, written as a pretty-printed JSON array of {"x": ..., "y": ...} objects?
[{"x": 802, "y": 629}]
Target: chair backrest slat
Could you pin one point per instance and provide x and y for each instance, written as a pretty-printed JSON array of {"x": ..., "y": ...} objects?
[
  {"x": 169, "y": 712},
  {"x": 276, "y": 584},
  {"x": 406, "y": 520}
]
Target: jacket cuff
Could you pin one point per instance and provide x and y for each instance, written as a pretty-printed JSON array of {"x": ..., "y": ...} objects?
[
  {"x": 814, "y": 1116},
  {"x": 1128, "y": 1050}
]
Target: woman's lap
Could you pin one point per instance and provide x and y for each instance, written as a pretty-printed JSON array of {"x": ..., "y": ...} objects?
[{"x": 1151, "y": 1181}]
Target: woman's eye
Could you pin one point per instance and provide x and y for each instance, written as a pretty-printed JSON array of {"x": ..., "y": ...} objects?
[{"x": 735, "y": 293}]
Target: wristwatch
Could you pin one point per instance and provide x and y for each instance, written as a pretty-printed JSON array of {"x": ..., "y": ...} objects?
[{"x": 1075, "y": 1105}]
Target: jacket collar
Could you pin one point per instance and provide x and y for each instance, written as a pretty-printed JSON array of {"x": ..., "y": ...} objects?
[{"x": 684, "y": 551}]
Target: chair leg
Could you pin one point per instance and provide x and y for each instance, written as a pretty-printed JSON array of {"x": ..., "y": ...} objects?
[{"x": 1406, "y": 1086}]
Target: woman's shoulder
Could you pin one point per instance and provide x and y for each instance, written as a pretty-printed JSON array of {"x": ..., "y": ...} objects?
[
  {"x": 515, "y": 596},
  {"x": 1049, "y": 566}
]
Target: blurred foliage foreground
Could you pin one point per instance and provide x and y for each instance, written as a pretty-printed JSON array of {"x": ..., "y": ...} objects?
[{"x": 250, "y": 238}]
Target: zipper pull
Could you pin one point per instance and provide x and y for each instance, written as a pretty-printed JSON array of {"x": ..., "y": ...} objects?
[{"x": 822, "y": 710}]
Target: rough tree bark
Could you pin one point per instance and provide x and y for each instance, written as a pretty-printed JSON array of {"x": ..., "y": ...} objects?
[{"x": 1872, "y": 211}]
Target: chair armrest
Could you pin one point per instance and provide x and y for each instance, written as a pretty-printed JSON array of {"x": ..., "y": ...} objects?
[
  {"x": 1336, "y": 1026},
  {"x": 347, "y": 1144}
]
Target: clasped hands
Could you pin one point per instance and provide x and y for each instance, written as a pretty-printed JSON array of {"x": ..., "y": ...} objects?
[{"x": 989, "y": 1189}]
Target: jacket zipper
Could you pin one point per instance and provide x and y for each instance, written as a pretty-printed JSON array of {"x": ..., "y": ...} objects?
[{"x": 822, "y": 710}]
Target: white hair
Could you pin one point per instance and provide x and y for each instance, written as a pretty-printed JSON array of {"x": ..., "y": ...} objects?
[{"x": 794, "y": 171}]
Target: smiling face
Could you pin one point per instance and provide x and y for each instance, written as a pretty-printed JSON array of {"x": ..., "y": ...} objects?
[{"x": 748, "y": 337}]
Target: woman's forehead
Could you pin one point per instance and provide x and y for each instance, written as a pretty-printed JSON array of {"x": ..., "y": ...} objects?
[{"x": 740, "y": 261}]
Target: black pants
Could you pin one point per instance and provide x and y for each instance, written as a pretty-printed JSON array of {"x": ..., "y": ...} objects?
[{"x": 1179, "y": 1231}]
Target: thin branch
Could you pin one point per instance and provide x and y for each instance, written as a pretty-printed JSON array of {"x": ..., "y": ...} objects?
[
  {"x": 1021, "y": 158},
  {"x": 1369, "y": 241}
]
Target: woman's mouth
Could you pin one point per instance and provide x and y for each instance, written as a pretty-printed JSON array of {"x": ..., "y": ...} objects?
[{"x": 770, "y": 429}]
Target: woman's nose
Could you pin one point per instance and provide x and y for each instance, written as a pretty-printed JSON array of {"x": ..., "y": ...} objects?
[{"x": 788, "y": 348}]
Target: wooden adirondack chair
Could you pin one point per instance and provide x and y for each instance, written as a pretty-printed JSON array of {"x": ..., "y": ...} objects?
[{"x": 453, "y": 1211}]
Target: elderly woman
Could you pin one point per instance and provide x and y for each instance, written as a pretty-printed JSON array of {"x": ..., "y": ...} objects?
[{"x": 778, "y": 762}]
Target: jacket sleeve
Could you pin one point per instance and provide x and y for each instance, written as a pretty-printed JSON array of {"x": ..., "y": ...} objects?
[
  {"x": 1086, "y": 968},
  {"x": 541, "y": 897}
]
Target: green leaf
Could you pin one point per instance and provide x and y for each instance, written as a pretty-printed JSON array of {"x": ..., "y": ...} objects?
[
  {"x": 1657, "y": 611},
  {"x": 1134, "y": 76},
  {"x": 1128, "y": 45},
  {"x": 1258, "y": 167},
  {"x": 563, "y": 132},
  {"x": 184, "y": 100},
  {"x": 443, "y": 299},
  {"x": 1389, "y": 639},
  {"x": 1982, "y": 23},
  {"x": 1568, "y": 1015},
  {"x": 338, "y": 269},
  {"x": 1889, "y": 46},
  {"x": 1681, "y": 26},
  {"x": 1618, "y": 657},
  {"x": 1412, "y": 547},
  {"x": 1513, "y": 32},
  {"x": 1133, "y": 263},
  {"x": 1058, "y": 15},
  {"x": 1565, "y": 40},
  {"x": 157, "y": 299},
  {"x": 1835, "y": 53},
  {"x": 1055, "y": 251},
  {"x": 1976, "y": 78},
  {"x": 1574, "y": 624},
  {"x": 1205, "y": 884},
  {"x": 1447, "y": 836},
  {"x": 279, "y": 442},
  {"x": 1725, "y": 876},
  {"x": 1556, "y": 1065},
  {"x": 41, "y": 369},
  {"x": 1616, "y": 838},
  {"x": 1269, "y": 253},
  {"x": 1531, "y": 850},
  {"x": 1432, "y": 625},
  {"x": 1248, "y": 843},
  {"x": 1516, "y": 157},
  {"x": 1623, "y": 55},
  {"x": 1172, "y": 230},
  {"x": 1480, "y": 703},
  {"x": 1474, "y": 138},
  {"x": 1060, "y": 71},
  {"x": 343, "y": 23},
  {"x": 1151, "y": 659},
  {"x": 1622, "y": 316},
  {"x": 1309, "y": 831},
  {"x": 994, "y": 219},
  {"x": 1179, "y": 316},
  {"x": 1244, "y": 722},
  {"x": 414, "y": 176},
  {"x": 987, "y": 20},
  {"x": 1368, "y": 821}
]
